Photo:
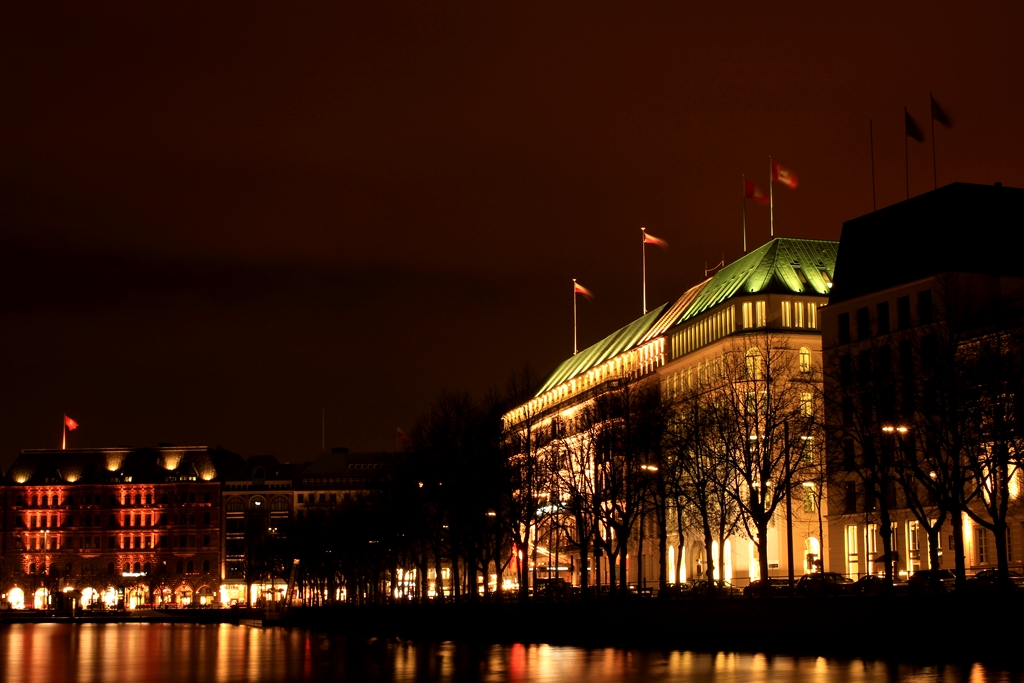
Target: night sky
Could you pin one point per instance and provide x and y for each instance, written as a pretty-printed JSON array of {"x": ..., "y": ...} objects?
[{"x": 217, "y": 221}]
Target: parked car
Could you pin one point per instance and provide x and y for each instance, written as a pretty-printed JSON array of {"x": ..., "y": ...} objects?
[
  {"x": 931, "y": 581},
  {"x": 770, "y": 586},
  {"x": 555, "y": 588},
  {"x": 675, "y": 591},
  {"x": 823, "y": 583},
  {"x": 988, "y": 579},
  {"x": 704, "y": 588}
]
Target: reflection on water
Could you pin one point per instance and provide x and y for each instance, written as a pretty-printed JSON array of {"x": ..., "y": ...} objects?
[{"x": 124, "y": 653}]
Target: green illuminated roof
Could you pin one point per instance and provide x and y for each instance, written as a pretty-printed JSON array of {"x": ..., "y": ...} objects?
[
  {"x": 676, "y": 312},
  {"x": 609, "y": 347},
  {"x": 782, "y": 266}
]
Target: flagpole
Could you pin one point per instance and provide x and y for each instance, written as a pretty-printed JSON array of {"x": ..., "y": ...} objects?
[
  {"x": 64, "y": 436},
  {"x": 744, "y": 180},
  {"x": 906, "y": 149},
  {"x": 935, "y": 163},
  {"x": 575, "y": 345},
  {"x": 771, "y": 200},
  {"x": 643, "y": 249},
  {"x": 871, "y": 137}
]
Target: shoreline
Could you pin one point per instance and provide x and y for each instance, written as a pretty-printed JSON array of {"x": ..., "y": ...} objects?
[{"x": 139, "y": 616}]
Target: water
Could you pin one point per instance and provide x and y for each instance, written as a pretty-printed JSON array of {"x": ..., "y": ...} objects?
[{"x": 125, "y": 653}]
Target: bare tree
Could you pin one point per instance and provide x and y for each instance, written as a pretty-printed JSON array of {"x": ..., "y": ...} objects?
[
  {"x": 763, "y": 403},
  {"x": 696, "y": 470}
]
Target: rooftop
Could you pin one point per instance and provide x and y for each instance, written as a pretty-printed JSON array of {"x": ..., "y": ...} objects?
[
  {"x": 784, "y": 265},
  {"x": 958, "y": 228},
  {"x": 138, "y": 465}
]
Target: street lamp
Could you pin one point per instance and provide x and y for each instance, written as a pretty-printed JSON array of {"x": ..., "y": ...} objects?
[
  {"x": 891, "y": 429},
  {"x": 896, "y": 431}
]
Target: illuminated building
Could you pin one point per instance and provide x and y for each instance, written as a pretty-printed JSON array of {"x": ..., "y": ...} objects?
[
  {"x": 918, "y": 286},
  {"x": 774, "y": 292},
  {"x": 127, "y": 526}
]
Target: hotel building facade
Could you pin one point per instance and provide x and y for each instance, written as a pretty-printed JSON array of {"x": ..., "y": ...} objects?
[{"x": 774, "y": 293}]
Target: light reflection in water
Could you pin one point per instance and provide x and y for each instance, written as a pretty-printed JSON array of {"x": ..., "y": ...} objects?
[{"x": 125, "y": 653}]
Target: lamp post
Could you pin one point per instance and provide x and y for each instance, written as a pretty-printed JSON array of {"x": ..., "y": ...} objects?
[
  {"x": 46, "y": 557},
  {"x": 641, "y": 581},
  {"x": 896, "y": 432}
]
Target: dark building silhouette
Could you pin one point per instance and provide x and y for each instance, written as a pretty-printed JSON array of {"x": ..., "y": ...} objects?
[{"x": 920, "y": 288}]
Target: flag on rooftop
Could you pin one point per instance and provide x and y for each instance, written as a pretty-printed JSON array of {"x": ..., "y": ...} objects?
[
  {"x": 781, "y": 174},
  {"x": 913, "y": 130},
  {"x": 577, "y": 288},
  {"x": 70, "y": 424},
  {"x": 751, "y": 190},
  {"x": 938, "y": 114},
  {"x": 651, "y": 239}
]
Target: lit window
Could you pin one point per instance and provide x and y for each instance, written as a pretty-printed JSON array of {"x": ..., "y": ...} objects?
[
  {"x": 787, "y": 314},
  {"x": 748, "y": 315},
  {"x": 812, "y": 551},
  {"x": 805, "y": 359},
  {"x": 807, "y": 451},
  {"x": 762, "y": 314},
  {"x": 799, "y": 318},
  {"x": 808, "y": 498},
  {"x": 852, "y": 558},
  {"x": 807, "y": 404},
  {"x": 914, "y": 540},
  {"x": 981, "y": 545},
  {"x": 754, "y": 369},
  {"x": 812, "y": 315}
]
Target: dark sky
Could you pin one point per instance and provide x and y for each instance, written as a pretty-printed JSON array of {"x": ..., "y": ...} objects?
[{"x": 219, "y": 220}]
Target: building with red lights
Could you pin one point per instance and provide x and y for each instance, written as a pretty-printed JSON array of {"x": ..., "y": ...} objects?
[{"x": 117, "y": 526}]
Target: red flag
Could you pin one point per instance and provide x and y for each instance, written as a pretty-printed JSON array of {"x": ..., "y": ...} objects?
[
  {"x": 651, "y": 239},
  {"x": 577, "y": 288},
  {"x": 781, "y": 174},
  {"x": 752, "y": 191},
  {"x": 70, "y": 424}
]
